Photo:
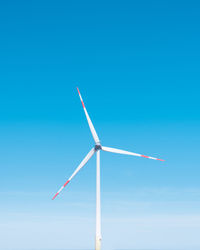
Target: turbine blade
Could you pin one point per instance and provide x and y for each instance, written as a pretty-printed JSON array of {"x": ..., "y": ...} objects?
[
  {"x": 119, "y": 151},
  {"x": 92, "y": 129},
  {"x": 84, "y": 161}
]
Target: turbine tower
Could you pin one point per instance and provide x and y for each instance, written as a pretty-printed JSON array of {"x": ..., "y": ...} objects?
[{"x": 96, "y": 149}]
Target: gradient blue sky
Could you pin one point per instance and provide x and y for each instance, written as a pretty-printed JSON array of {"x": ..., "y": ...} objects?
[{"x": 137, "y": 66}]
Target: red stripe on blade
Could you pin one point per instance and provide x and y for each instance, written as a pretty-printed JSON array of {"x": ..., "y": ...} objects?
[
  {"x": 66, "y": 183},
  {"x": 83, "y": 104},
  {"x": 55, "y": 196},
  {"x": 160, "y": 160},
  {"x": 78, "y": 91},
  {"x": 145, "y": 156}
]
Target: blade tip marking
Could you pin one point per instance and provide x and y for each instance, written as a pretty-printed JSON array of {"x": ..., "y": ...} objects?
[
  {"x": 160, "y": 160},
  {"x": 55, "y": 196},
  {"x": 78, "y": 90}
]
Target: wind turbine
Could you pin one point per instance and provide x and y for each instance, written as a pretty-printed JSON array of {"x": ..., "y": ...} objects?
[{"x": 96, "y": 149}]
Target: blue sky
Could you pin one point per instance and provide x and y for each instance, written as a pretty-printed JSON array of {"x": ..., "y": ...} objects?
[{"x": 137, "y": 66}]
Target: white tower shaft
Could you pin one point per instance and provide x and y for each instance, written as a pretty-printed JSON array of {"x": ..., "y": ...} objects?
[{"x": 98, "y": 204}]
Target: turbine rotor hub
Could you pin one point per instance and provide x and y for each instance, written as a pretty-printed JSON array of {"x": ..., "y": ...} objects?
[{"x": 97, "y": 147}]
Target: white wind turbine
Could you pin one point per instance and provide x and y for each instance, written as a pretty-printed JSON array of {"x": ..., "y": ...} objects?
[{"x": 96, "y": 149}]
